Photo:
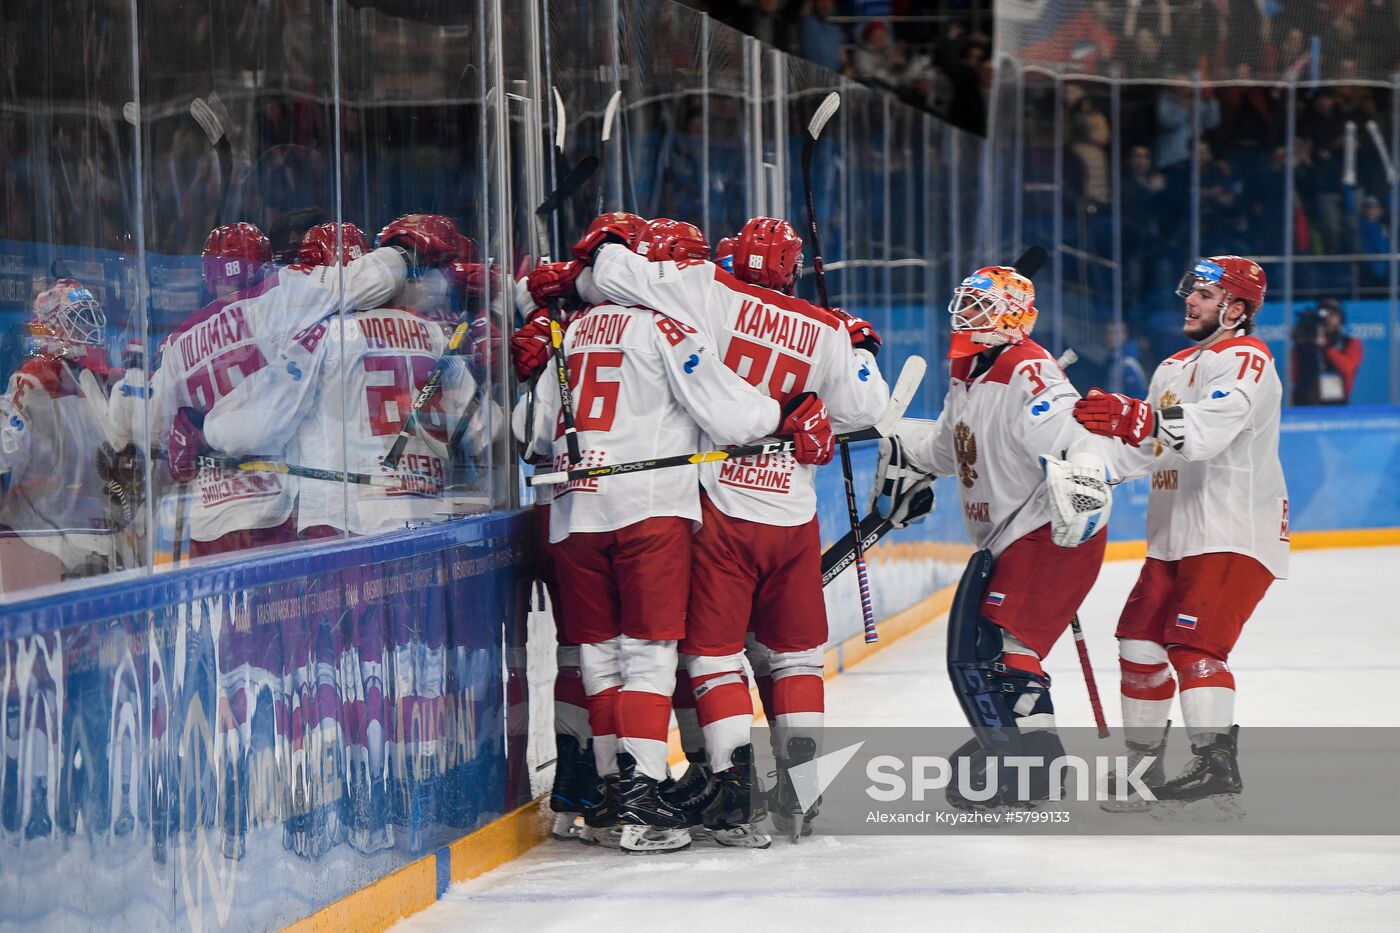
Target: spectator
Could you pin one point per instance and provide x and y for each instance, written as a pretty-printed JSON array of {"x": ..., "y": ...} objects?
[
  {"x": 1143, "y": 191},
  {"x": 1375, "y": 240},
  {"x": 1174, "y": 122},
  {"x": 1090, "y": 132},
  {"x": 823, "y": 40},
  {"x": 1325, "y": 129},
  {"x": 876, "y": 59},
  {"x": 1325, "y": 359}
]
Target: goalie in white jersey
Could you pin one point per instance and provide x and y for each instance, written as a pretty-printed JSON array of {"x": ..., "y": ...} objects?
[
  {"x": 1217, "y": 524},
  {"x": 256, "y": 310},
  {"x": 645, "y": 385},
  {"x": 1039, "y": 528},
  {"x": 758, "y": 556}
]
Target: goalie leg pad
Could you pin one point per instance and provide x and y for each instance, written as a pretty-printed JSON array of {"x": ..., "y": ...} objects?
[{"x": 1006, "y": 697}]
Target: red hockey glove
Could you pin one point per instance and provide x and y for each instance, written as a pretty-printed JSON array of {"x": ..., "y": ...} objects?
[
  {"x": 1116, "y": 415},
  {"x": 617, "y": 227},
  {"x": 485, "y": 339},
  {"x": 554, "y": 281},
  {"x": 186, "y": 444},
  {"x": 863, "y": 335},
  {"x": 431, "y": 239},
  {"x": 530, "y": 347},
  {"x": 476, "y": 279},
  {"x": 805, "y": 418}
]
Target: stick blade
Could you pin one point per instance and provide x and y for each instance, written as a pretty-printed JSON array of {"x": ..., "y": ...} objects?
[
  {"x": 610, "y": 114},
  {"x": 573, "y": 181},
  {"x": 1031, "y": 261},
  {"x": 905, "y": 388},
  {"x": 824, "y": 113},
  {"x": 561, "y": 120}
]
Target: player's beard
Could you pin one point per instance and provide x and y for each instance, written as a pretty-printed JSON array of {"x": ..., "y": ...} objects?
[{"x": 1201, "y": 327}]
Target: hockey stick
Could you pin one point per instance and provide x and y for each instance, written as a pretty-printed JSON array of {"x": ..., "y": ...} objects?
[
  {"x": 255, "y": 465},
  {"x": 433, "y": 385},
  {"x": 609, "y": 114},
  {"x": 825, "y": 111},
  {"x": 1089, "y": 681},
  {"x": 905, "y": 386}
]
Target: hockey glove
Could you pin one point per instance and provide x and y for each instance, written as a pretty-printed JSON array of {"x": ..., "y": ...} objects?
[
  {"x": 556, "y": 281},
  {"x": 617, "y": 227},
  {"x": 1116, "y": 415},
  {"x": 1079, "y": 497},
  {"x": 863, "y": 335},
  {"x": 897, "y": 482},
  {"x": 805, "y": 418},
  {"x": 186, "y": 444},
  {"x": 476, "y": 279},
  {"x": 531, "y": 348},
  {"x": 429, "y": 239}
]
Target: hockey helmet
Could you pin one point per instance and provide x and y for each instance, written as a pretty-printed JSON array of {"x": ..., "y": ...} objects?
[
  {"x": 1241, "y": 279},
  {"x": 66, "y": 314},
  {"x": 319, "y": 248},
  {"x": 768, "y": 252},
  {"x": 664, "y": 238},
  {"x": 235, "y": 257},
  {"x": 724, "y": 253},
  {"x": 993, "y": 306}
]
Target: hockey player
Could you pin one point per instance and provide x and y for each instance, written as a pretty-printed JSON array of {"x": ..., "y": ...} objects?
[
  {"x": 758, "y": 555},
  {"x": 339, "y": 391},
  {"x": 645, "y": 385},
  {"x": 256, "y": 309},
  {"x": 54, "y": 521},
  {"x": 1217, "y": 526},
  {"x": 1008, "y": 408},
  {"x": 575, "y": 778}
]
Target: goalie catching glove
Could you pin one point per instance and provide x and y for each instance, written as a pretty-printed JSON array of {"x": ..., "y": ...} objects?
[
  {"x": 1080, "y": 498},
  {"x": 903, "y": 494}
]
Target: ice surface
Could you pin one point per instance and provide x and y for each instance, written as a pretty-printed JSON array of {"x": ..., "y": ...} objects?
[{"x": 1322, "y": 649}]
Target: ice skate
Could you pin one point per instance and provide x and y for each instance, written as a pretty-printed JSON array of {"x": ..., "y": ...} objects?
[
  {"x": 1124, "y": 800},
  {"x": 788, "y": 816},
  {"x": 649, "y": 822},
  {"x": 1210, "y": 787}
]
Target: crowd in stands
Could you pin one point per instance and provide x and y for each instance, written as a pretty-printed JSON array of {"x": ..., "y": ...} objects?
[{"x": 933, "y": 54}]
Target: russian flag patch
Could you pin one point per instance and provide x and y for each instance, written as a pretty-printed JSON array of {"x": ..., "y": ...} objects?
[
  {"x": 1185, "y": 621},
  {"x": 996, "y": 599}
]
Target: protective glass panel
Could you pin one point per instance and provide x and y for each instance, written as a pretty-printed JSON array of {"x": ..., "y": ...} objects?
[{"x": 73, "y": 488}]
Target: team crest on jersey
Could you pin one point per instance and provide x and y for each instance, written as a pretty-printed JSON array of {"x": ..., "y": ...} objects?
[
  {"x": 965, "y": 452},
  {"x": 1167, "y": 400}
]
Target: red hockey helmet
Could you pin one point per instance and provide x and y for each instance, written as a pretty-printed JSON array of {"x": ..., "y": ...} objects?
[
  {"x": 768, "y": 252},
  {"x": 433, "y": 238},
  {"x": 724, "y": 253},
  {"x": 665, "y": 238},
  {"x": 1240, "y": 278},
  {"x": 620, "y": 224},
  {"x": 235, "y": 257},
  {"x": 319, "y": 246}
]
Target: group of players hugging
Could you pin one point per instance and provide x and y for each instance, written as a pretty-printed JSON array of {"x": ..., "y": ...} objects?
[
  {"x": 671, "y": 588},
  {"x": 312, "y": 355},
  {"x": 665, "y": 582}
]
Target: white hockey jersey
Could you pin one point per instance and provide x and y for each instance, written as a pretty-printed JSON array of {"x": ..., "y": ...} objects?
[
  {"x": 1223, "y": 490},
  {"x": 644, "y": 386},
  {"x": 994, "y": 427},
  {"x": 339, "y": 393},
  {"x": 51, "y": 427},
  {"x": 233, "y": 338},
  {"x": 780, "y": 345}
]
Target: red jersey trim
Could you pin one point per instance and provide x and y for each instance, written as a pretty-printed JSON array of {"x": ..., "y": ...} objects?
[
  {"x": 1005, "y": 366},
  {"x": 55, "y": 378},
  {"x": 1254, "y": 343},
  {"x": 777, "y": 299}
]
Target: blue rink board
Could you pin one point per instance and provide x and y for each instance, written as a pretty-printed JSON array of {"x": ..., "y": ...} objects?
[{"x": 239, "y": 747}]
